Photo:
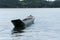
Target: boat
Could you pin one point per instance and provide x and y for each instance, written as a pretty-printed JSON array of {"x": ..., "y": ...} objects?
[{"x": 22, "y": 24}]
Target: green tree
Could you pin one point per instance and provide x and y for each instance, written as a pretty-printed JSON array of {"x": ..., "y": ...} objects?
[{"x": 8, "y": 3}]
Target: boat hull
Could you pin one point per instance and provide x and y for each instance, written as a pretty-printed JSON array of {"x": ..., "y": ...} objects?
[{"x": 21, "y": 24}]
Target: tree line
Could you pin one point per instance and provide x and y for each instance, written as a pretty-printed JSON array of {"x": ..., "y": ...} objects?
[{"x": 28, "y": 4}]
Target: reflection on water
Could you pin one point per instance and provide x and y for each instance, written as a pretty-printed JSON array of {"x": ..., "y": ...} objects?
[{"x": 21, "y": 31}]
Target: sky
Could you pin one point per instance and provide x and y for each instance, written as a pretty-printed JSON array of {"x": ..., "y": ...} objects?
[
  {"x": 47, "y": 0},
  {"x": 50, "y": 0}
]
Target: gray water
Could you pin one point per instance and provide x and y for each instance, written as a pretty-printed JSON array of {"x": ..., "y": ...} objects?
[{"x": 46, "y": 26}]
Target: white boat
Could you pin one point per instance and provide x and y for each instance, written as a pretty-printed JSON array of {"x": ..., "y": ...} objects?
[{"x": 22, "y": 24}]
